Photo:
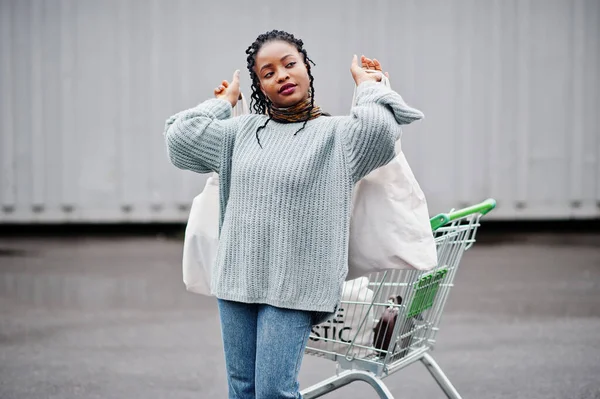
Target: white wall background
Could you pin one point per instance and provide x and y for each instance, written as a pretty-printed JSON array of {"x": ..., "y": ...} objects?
[{"x": 510, "y": 90}]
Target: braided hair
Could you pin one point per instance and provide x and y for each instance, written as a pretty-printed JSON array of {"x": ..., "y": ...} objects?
[{"x": 259, "y": 101}]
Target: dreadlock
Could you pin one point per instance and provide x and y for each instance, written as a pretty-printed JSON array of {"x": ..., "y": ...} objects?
[{"x": 259, "y": 101}]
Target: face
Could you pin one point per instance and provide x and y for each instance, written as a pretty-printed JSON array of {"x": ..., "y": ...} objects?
[{"x": 282, "y": 74}]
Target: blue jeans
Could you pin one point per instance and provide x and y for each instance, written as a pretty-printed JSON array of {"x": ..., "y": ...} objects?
[{"x": 264, "y": 347}]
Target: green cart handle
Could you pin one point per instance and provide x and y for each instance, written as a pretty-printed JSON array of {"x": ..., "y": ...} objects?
[{"x": 445, "y": 218}]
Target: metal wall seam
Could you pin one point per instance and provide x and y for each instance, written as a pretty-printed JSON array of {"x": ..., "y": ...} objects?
[
  {"x": 69, "y": 118},
  {"x": 8, "y": 173},
  {"x": 523, "y": 105},
  {"x": 596, "y": 127},
  {"x": 38, "y": 145},
  {"x": 464, "y": 122},
  {"x": 577, "y": 109},
  {"x": 155, "y": 198},
  {"x": 123, "y": 40},
  {"x": 493, "y": 167}
]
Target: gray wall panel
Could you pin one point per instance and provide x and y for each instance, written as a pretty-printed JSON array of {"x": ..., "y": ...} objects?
[{"x": 510, "y": 90}]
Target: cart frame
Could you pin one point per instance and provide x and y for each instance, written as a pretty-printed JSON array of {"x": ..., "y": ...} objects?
[{"x": 416, "y": 300}]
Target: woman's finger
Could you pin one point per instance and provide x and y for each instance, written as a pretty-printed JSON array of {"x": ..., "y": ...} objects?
[
  {"x": 376, "y": 64},
  {"x": 368, "y": 63},
  {"x": 225, "y": 83},
  {"x": 363, "y": 61}
]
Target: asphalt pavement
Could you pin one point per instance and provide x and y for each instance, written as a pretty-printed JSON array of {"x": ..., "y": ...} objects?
[{"x": 108, "y": 317}]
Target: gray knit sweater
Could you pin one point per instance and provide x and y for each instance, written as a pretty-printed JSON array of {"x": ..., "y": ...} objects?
[{"x": 285, "y": 208}]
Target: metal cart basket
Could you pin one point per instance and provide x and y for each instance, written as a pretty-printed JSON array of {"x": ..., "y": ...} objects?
[{"x": 392, "y": 318}]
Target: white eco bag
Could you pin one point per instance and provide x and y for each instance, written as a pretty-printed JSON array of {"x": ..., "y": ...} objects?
[
  {"x": 201, "y": 240},
  {"x": 389, "y": 227},
  {"x": 346, "y": 326}
]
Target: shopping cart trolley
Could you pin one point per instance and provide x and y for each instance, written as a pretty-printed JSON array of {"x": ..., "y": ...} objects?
[{"x": 393, "y": 318}]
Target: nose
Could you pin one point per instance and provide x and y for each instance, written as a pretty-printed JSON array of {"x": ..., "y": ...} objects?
[{"x": 282, "y": 76}]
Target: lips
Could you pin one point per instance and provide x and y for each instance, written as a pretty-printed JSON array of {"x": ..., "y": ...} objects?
[{"x": 286, "y": 86}]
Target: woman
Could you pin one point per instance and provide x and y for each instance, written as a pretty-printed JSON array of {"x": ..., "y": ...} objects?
[{"x": 286, "y": 178}]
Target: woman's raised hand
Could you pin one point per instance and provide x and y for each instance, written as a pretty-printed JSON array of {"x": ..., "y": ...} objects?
[
  {"x": 370, "y": 70},
  {"x": 229, "y": 91}
]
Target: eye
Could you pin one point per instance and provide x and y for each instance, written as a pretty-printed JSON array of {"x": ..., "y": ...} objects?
[
  {"x": 268, "y": 75},
  {"x": 291, "y": 64}
]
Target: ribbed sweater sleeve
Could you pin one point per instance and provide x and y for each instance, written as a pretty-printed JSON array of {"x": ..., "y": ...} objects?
[
  {"x": 195, "y": 137},
  {"x": 374, "y": 126}
]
